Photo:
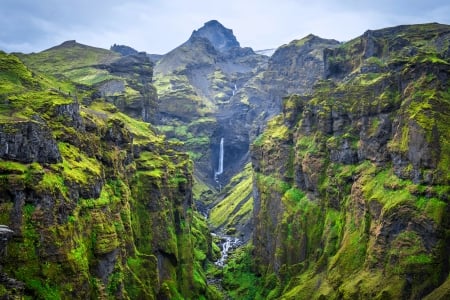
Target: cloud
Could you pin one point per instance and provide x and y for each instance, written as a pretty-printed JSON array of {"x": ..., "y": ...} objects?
[{"x": 157, "y": 26}]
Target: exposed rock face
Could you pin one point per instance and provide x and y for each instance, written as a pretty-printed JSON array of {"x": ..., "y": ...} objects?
[
  {"x": 293, "y": 68},
  {"x": 220, "y": 37},
  {"x": 195, "y": 83},
  {"x": 135, "y": 71},
  {"x": 351, "y": 181},
  {"x": 100, "y": 205},
  {"x": 28, "y": 141},
  {"x": 123, "y": 49}
]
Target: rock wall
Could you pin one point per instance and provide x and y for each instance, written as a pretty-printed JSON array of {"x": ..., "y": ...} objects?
[{"x": 351, "y": 181}]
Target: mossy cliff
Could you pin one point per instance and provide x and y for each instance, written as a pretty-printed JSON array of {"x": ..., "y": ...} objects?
[
  {"x": 100, "y": 205},
  {"x": 351, "y": 180}
]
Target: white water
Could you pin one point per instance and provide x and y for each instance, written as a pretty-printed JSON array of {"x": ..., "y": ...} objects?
[
  {"x": 228, "y": 243},
  {"x": 220, "y": 168}
]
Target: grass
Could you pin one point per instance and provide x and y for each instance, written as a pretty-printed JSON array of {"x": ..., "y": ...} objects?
[
  {"x": 62, "y": 59},
  {"x": 237, "y": 204},
  {"x": 88, "y": 75}
]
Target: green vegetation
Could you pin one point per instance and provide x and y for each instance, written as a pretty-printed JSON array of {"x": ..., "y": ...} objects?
[
  {"x": 351, "y": 183},
  {"x": 239, "y": 280},
  {"x": 349, "y": 188},
  {"x": 92, "y": 223},
  {"x": 236, "y": 207}
]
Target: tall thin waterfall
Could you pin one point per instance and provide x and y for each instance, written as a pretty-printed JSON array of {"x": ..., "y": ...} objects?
[
  {"x": 220, "y": 168},
  {"x": 220, "y": 171}
]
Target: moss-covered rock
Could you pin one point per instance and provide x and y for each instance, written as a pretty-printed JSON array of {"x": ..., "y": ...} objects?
[
  {"x": 348, "y": 177},
  {"x": 99, "y": 203}
]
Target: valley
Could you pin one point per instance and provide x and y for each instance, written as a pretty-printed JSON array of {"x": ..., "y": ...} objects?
[{"x": 317, "y": 170}]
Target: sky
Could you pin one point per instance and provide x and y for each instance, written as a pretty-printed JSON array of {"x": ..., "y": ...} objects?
[{"x": 158, "y": 26}]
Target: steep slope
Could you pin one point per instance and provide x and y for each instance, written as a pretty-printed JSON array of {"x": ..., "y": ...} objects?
[
  {"x": 293, "y": 68},
  {"x": 232, "y": 209},
  {"x": 100, "y": 205},
  {"x": 351, "y": 180},
  {"x": 124, "y": 81},
  {"x": 195, "y": 82}
]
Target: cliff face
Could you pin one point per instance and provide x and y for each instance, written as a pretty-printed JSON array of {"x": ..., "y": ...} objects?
[
  {"x": 100, "y": 205},
  {"x": 351, "y": 180},
  {"x": 196, "y": 82}
]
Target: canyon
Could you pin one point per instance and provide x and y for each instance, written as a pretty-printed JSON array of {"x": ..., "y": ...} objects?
[{"x": 218, "y": 172}]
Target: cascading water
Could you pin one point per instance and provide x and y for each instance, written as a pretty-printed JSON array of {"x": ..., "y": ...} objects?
[
  {"x": 220, "y": 167},
  {"x": 228, "y": 243}
]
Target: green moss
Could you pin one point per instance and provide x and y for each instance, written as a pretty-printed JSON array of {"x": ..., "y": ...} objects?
[
  {"x": 238, "y": 279},
  {"x": 233, "y": 204},
  {"x": 385, "y": 187},
  {"x": 294, "y": 195},
  {"x": 433, "y": 207},
  {"x": 77, "y": 166},
  {"x": 53, "y": 183},
  {"x": 88, "y": 75},
  {"x": 75, "y": 58}
]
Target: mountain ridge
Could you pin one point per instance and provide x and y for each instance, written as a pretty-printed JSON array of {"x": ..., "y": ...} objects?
[
  {"x": 335, "y": 169},
  {"x": 220, "y": 37}
]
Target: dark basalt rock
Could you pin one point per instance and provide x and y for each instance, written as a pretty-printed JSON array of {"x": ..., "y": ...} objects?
[
  {"x": 220, "y": 37},
  {"x": 28, "y": 141}
]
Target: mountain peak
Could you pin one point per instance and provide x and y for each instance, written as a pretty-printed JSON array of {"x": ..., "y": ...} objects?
[{"x": 220, "y": 37}]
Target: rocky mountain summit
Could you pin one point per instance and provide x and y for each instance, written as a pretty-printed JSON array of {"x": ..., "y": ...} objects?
[
  {"x": 195, "y": 83},
  {"x": 220, "y": 37}
]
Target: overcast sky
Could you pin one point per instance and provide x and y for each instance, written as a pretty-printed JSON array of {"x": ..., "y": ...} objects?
[{"x": 158, "y": 26}]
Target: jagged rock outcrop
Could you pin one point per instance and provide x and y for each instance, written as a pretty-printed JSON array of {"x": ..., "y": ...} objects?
[
  {"x": 123, "y": 49},
  {"x": 351, "y": 179},
  {"x": 293, "y": 69},
  {"x": 28, "y": 141},
  {"x": 133, "y": 93},
  {"x": 220, "y": 37}
]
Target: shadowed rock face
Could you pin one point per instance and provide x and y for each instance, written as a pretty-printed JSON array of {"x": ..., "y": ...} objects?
[{"x": 14, "y": 288}]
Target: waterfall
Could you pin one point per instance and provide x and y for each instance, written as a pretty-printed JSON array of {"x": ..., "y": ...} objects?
[
  {"x": 228, "y": 244},
  {"x": 220, "y": 171},
  {"x": 220, "y": 168}
]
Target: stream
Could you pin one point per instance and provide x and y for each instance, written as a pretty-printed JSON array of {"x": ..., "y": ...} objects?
[{"x": 227, "y": 243}]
